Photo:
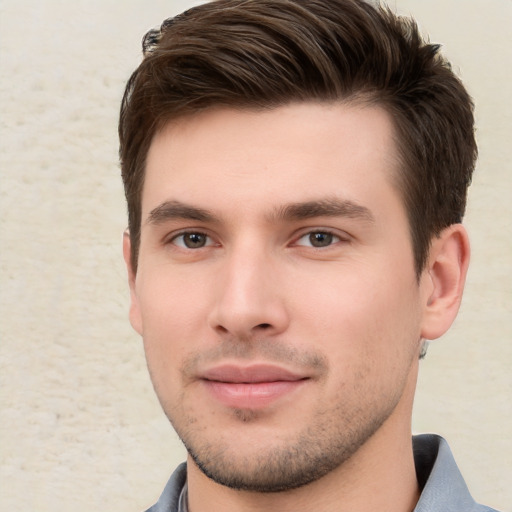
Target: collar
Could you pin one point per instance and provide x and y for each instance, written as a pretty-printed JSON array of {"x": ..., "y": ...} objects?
[{"x": 443, "y": 488}]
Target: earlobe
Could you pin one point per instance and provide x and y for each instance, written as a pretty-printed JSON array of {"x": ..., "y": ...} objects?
[
  {"x": 135, "y": 317},
  {"x": 444, "y": 279}
]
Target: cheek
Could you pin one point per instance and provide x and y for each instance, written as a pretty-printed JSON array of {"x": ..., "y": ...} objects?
[
  {"x": 170, "y": 300},
  {"x": 172, "y": 315},
  {"x": 361, "y": 315}
]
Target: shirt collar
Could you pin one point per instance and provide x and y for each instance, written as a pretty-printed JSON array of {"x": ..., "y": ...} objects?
[{"x": 443, "y": 487}]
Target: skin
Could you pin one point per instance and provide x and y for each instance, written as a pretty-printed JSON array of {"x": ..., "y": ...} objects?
[{"x": 277, "y": 239}]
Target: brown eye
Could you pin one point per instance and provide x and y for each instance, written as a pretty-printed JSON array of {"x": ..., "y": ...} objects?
[
  {"x": 320, "y": 239},
  {"x": 194, "y": 240},
  {"x": 191, "y": 240}
]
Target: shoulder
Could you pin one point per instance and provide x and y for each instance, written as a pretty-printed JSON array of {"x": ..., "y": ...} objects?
[
  {"x": 169, "y": 500},
  {"x": 443, "y": 487}
]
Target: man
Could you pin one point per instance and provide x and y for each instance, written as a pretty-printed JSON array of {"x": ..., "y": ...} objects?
[{"x": 296, "y": 176}]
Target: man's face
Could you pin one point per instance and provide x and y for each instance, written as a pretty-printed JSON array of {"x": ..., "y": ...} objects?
[{"x": 275, "y": 291}]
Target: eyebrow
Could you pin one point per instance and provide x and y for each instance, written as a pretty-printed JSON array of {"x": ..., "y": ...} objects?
[
  {"x": 330, "y": 207},
  {"x": 170, "y": 210}
]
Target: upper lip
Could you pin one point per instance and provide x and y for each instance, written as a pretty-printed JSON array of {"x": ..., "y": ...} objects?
[{"x": 251, "y": 374}]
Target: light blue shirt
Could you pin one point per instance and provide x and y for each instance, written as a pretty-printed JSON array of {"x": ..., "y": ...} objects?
[{"x": 443, "y": 488}]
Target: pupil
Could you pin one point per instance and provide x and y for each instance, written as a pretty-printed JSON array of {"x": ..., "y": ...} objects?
[
  {"x": 194, "y": 240},
  {"x": 320, "y": 239}
]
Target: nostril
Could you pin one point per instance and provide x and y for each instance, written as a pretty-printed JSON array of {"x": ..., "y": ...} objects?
[{"x": 263, "y": 326}]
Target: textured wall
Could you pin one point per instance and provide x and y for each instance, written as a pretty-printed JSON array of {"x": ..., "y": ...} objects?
[{"x": 80, "y": 428}]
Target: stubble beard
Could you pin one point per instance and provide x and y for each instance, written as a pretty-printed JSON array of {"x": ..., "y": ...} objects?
[
  {"x": 329, "y": 437},
  {"x": 301, "y": 459}
]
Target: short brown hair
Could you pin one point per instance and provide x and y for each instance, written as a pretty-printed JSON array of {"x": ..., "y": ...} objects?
[{"x": 260, "y": 54}]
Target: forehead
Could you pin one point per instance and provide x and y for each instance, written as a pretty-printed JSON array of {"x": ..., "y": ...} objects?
[{"x": 224, "y": 158}]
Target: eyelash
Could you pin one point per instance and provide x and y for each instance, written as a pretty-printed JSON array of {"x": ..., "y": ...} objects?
[
  {"x": 181, "y": 235},
  {"x": 334, "y": 239}
]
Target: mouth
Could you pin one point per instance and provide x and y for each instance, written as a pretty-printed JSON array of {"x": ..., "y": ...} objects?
[{"x": 251, "y": 387}]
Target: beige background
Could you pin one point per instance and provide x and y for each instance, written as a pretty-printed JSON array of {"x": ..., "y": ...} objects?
[{"x": 80, "y": 428}]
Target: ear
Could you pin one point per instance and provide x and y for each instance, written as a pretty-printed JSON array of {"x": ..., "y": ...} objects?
[
  {"x": 134, "y": 315},
  {"x": 443, "y": 280}
]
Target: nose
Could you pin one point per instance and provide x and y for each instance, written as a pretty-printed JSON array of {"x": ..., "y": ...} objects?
[{"x": 249, "y": 301}]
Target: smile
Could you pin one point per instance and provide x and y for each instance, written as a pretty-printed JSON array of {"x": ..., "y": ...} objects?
[{"x": 251, "y": 387}]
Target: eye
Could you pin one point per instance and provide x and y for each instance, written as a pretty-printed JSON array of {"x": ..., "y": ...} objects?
[
  {"x": 318, "y": 239},
  {"x": 192, "y": 240}
]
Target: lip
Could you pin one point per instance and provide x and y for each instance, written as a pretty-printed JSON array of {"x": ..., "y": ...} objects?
[
  {"x": 254, "y": 373},
  {"x": 251, "y": 387}
]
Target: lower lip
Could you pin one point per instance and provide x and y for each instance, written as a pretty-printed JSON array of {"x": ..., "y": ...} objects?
[{"x": 253, "y": 395}]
